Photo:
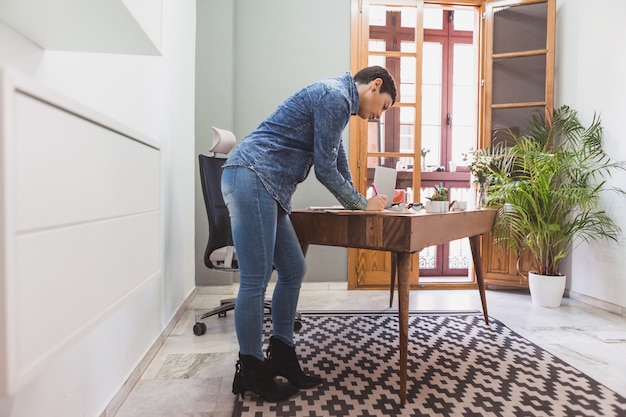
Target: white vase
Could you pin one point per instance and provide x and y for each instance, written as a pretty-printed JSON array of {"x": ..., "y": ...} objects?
[
  {"x": 437, "y": 206},
  {"x": 546, "y": 290}
]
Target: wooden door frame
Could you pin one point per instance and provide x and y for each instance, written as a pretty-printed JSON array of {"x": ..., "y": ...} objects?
[{"x": 358, "y": 127}]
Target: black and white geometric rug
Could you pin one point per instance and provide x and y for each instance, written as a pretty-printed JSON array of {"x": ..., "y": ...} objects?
[{"x": 457, "y": 366}]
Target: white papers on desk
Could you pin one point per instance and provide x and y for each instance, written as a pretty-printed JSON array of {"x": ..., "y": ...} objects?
[{"x": 325, "y": 208}]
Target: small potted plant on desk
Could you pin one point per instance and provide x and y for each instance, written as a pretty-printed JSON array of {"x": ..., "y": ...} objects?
[
  {"x": 547, "y": 186},
  {"x": 438, "y": 202}
]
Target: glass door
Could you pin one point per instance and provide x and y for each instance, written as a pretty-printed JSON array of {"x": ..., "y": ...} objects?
[
  {"x": 449, "y": 123},
  {"x": 519, "y": 80},
  {"x": 387, "y": 35},
  {"x": 431, "y": 50}
]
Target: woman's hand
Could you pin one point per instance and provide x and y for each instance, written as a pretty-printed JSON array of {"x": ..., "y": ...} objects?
[{"x": 376, "y": 203}]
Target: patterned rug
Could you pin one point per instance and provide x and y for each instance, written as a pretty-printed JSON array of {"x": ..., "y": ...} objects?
[{"x": 458, "y": 366}]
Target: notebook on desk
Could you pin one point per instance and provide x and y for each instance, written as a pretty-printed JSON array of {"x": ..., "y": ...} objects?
[{"x": 385, "y": 181}]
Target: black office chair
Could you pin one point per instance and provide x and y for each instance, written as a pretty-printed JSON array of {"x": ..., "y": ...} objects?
[{"x": 219, "y": 252}]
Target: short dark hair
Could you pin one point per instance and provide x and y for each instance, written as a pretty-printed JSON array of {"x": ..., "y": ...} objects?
[{"x": 368, "y": 74}]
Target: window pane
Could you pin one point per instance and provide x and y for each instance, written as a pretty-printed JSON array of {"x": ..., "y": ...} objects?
[
  {"x": 464, "y": 106},
  {"x": 378, "y": 16},
  {"x": 431, "y": 141},
  {"x": 407, "y": 80},
  {"x": 517, "y": 80},
  {"x": 459, "y": 256},
  {"x": 433, "y": 18},
  {"x": 431, "y": 110},
  {"x": 464, "y": 19},
  {"x": 374, "y": 134},
  {"x": 431, "y": 119},
  {"x": 428, "y": 258},
  {"x": 463, "y": 139},
  {"x": 464, "y": 69},
  {"x": 520, "y": 28},
  {"x": 407, "y": 129},
  {"x": 376, "y": 45},
  {"x": 376, "y": 60},
  {"x": 464, "y": 102},
  {"x": 409, "y": 17},
  {"x": 432, "y": 63},
  {"x": 514, "y": 119},
  {"x": 394, "y": 25},
  {"x": 405, "y": 190},
  {"x": 406, "y": 164},
  {"x": 376, "y": 142},
  {"x": 406, "y": 46}
]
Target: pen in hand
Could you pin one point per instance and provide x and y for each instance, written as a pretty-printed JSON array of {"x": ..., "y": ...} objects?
[{"x": 377, "y": 201}]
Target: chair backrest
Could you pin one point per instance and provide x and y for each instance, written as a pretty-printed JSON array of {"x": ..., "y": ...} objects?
[
  {"x": 223, "y": 141},
  {"x": 210, "y": 178}
]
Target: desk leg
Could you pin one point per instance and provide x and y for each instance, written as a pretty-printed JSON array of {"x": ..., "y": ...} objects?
[
  {"x": 404, "y": 275},
  {"x": 394, "y": 275},
  {"x": 478, "y": 267}
]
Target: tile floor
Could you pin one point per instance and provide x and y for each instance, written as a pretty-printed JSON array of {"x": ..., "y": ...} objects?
[{"x": 191, "y": 376}]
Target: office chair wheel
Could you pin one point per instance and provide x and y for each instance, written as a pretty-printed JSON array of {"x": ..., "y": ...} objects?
[{"x": 199, "y": 329}]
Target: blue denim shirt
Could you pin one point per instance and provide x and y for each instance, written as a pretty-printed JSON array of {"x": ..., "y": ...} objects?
[{"x": 305, "y": 131}]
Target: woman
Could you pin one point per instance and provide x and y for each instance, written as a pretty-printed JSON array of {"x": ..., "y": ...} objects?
[{"x": 258, "y": 182}]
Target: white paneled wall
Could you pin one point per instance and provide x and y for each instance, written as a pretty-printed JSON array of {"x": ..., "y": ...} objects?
[{"x": 80, "y": 219}]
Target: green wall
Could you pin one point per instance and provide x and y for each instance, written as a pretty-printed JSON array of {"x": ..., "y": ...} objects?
[{"x": 251, "y": 55}]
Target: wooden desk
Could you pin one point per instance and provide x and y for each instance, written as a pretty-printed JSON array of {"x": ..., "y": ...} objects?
[{"x": 402, "y": 234}]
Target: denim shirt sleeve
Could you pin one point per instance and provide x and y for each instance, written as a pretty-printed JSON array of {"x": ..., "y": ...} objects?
[
  {"x": 342, "y": 163},
  {"x": 303, "y": 132},
  {"x": 330, "y": 160}
]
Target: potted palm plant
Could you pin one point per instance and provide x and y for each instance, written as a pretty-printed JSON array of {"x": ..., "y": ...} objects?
[{"x": 547, "y": 185}]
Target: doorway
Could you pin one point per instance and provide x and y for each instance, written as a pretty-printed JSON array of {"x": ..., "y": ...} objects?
[{"x": 432, "y": 52}]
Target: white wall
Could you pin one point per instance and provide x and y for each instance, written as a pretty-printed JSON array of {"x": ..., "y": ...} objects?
[
  {"x": 590, "y": 78},
  {"x": 153, "y": 95},
  {"x": 274, "y": 52}
]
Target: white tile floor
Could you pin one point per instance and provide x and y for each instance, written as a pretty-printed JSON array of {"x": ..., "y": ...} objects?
[{"x": 191, "y": 376}]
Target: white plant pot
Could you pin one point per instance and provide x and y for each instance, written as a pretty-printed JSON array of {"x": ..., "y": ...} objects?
[
  {"x": 546, "y": 290},
  {"x": 437, "y": 206}
]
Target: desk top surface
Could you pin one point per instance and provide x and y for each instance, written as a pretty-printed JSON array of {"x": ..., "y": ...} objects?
[{"x": 390, "y": 231}]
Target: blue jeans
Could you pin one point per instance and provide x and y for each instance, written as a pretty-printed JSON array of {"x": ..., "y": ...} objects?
[{"x": 264, "y": 238}]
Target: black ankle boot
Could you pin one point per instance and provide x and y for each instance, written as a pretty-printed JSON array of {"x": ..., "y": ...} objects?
[
  {"x": 284, "y": 362},
  {"x": 254, "y": 375}
]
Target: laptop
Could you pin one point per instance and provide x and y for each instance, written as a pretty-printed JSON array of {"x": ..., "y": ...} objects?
[{"x": 385, "y": 181}]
